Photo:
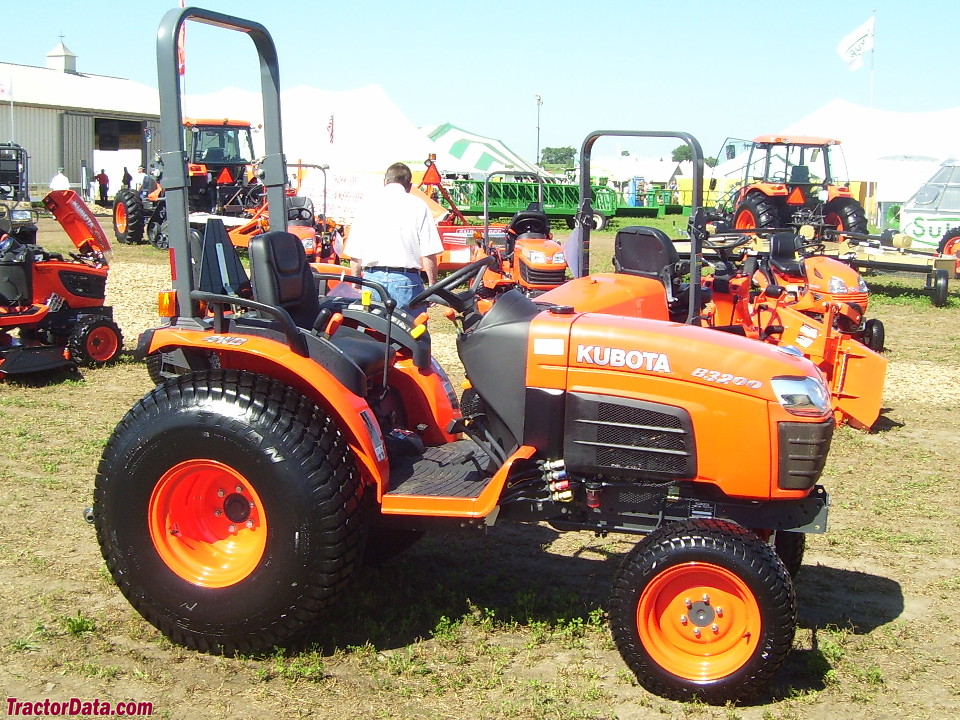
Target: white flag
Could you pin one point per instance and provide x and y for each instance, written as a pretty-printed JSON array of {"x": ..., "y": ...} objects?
[
  {"x": 6, "y": 87},
  {"x": 855, "y": 45}
]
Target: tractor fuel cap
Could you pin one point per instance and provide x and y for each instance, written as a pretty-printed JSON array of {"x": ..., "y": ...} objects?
[{"x": 561, "y": 309}]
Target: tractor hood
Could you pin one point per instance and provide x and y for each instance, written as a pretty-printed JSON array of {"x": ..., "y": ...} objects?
[
  {"x": 645, "y": 353},
  {"x": 79, "y": 223}
]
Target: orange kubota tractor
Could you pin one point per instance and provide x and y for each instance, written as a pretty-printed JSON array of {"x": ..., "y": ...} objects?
[
  {"x": 786, "y": 181},
  {"x": 51, "y": 308},
  {"x": 232, "y": 504}
]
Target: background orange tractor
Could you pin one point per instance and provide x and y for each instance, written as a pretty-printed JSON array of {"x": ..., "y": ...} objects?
[
  {"x": 785, "y": 181},
  {"x": 220, "y": 159}
]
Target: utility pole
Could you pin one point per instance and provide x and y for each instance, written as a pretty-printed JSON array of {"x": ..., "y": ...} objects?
[{"x": 539, "y": 103}]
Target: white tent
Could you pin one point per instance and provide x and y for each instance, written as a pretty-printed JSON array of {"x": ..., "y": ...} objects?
[
  {"x": 896, "y": 150},
  {"x": 467, "y": 152}
]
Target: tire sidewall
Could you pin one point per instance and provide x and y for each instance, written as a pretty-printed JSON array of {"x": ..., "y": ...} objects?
[
  {"x": 661, "y": 556},
  {"x": 268, "y": 461}
]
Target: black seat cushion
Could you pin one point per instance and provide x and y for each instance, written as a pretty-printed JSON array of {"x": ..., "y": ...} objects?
[{"x": 783, "y": 253}]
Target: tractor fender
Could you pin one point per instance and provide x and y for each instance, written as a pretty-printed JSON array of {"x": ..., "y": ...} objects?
[{"x": 276, "y": 360}]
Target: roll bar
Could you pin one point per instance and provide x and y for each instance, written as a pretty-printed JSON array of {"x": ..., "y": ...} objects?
[
  {"x": 584, "y": 218},
  {"x": 172, "y": 155}
]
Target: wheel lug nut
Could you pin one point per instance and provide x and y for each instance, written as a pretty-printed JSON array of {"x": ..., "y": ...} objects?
[
  {"x": 218, "y": 512},
  {"x": 232, "y": 528},
  {"x": 706, "y": 598},
  {"x": 239, "y": 489},
  {"x": 719, "y": 611},
  {"x": 696, "y": 632},
  {"x": 715, "y": 628},
  {"x": 249, "y": 523},
  {"x": 688, "y": 603},
  {"x": 683, "y": 619},
  {"x": 220, "y": 492}
]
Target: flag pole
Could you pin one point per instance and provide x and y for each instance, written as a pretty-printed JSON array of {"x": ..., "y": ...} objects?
[{"x": 873, "y": 52}]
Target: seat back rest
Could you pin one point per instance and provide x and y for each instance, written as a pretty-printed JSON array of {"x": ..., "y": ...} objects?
[
  {"x": 783, "y": 253},
  {"x": 220, "y": 270},
  {"x": 533, "y": 220},
  {"x": 799, "y": 175},
  {"x": 643, "y": 251},
  {"x": 281, "y": 276}
]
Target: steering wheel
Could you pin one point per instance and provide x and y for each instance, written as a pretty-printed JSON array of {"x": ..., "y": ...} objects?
[
  {"x": 738, "y": 241},
  {"x": 299, "y": 213},
  {"x": 6, "y": 190},
  {"x": 443, "y": 289}
]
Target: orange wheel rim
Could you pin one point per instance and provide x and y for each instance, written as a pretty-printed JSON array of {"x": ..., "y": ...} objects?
[
  {"x": 120, "y": 218},
  {"x": 744, "y": 221},
  {"x": 102, "y": 344},
  {"x": 952, "y": 247},
  {"x": 207, "y": 523},
  {"x": 699, "y": 621}
]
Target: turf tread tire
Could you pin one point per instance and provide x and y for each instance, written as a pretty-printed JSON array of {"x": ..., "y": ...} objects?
[
  {"x": 308, "y": 484},
  {"x": 78, "y": 346},
  {"x": 726, "y": 545}
]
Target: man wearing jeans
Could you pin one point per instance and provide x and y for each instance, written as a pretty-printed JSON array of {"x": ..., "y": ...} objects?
[{"x": 395, "y": 237}]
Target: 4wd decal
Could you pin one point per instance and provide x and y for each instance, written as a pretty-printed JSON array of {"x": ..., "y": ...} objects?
[
  {"x": 618, "y": 357},
  {"x": 225, "y": 340},
  {"x": 725, "y": 378}
]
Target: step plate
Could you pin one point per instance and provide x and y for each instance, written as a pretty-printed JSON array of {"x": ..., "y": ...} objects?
[{"x": 453, "y": 470}]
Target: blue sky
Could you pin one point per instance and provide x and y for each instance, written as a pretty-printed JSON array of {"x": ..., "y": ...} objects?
[{"x": 713, "y": 69}]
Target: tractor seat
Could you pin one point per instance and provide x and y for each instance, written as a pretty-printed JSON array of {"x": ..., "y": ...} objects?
[
  {"x": 783, "y": 253},
  {"x": 531, "y": 221},
  {"x": 282, "y": 277}
]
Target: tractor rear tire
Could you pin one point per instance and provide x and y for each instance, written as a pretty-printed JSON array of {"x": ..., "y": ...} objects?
[
  {"x": 128, "y": 216},
  {"x": 756, "y": 211},
  {"x": 703, "y": 608},
  {"x": 228, "y": 510},
  {"x": 95, "y": 342},
  {"x": 845, "y": 214}
]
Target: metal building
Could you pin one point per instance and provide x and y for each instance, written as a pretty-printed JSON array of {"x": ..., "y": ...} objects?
[{"x": 66, "y": 118}]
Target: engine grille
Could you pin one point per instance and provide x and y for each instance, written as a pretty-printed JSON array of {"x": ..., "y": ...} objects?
[
  {"x": 84, "y": 285},
  {"x": 803, "y": 448},
  {"x": 628, "y": 438},
  {"x": 530, "y": 276}
]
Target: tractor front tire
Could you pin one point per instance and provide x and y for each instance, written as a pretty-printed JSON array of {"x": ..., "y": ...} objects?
[
  {"x": 845, "y": 214},
  {"x": 228, "y": 510},
  {"x": 790, "y": 546},
  {"x": 874, "y": 334},
  {"x": 95, "y": 342},
  {"x": 128, "y": 216},
  {"x": 756, "y": 210},
  {"x": 705, "y": 609}
]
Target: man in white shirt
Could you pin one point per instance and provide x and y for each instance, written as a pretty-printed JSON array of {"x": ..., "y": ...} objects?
[
  {"x": 394, "y": 237},
  {"x": 60, "y": 181},
  {"x": 138, "y": 178}
]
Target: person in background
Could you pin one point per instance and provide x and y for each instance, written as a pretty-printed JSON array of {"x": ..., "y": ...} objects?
[
  {"x": 103, "y": 184},
  {"x": 59, "y": 181},
  {"x": 138, "y": 179},
  {"x": 394, "y": 238},
  {"x": 126, "y": 179}
]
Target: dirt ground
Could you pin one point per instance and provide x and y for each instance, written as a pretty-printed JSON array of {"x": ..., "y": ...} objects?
[{"x": 503, "y": 625}]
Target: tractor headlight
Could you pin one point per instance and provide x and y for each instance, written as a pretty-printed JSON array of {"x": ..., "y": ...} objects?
[
  {"x": 559, "y": 259},
  {"x": 537, "y": 257},
  {"x": 837, "y": 286},
  {"x": 21, "y": 215},
  {"x": 802, "y": 395}
]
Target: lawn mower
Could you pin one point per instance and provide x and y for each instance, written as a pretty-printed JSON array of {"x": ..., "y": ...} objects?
[
  {"x": 55, "y": 305},
  {"x": 232, "y": 504}
]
